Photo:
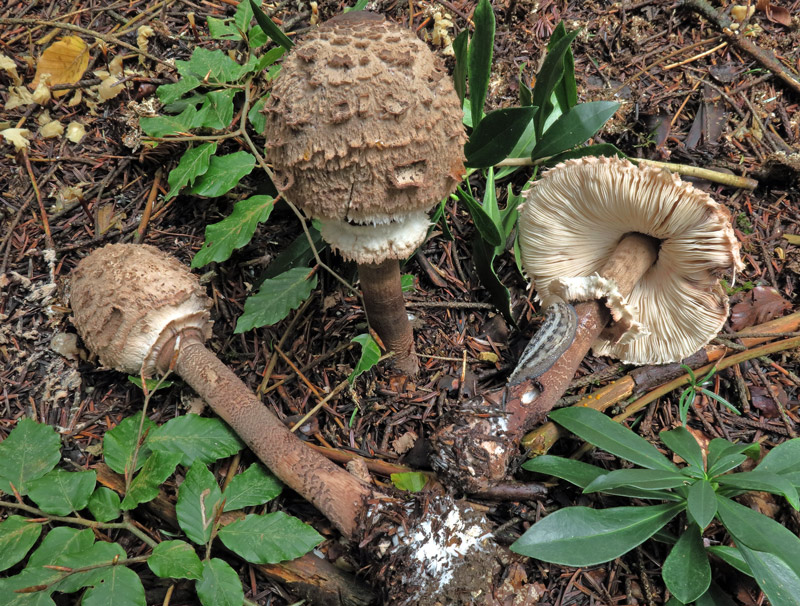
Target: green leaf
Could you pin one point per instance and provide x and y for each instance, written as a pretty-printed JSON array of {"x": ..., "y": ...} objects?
[
  {"x": 565, "y": 92},
  {"x": 169, "y": 93},
  {"x": 151, "y": 384},
  {"x": 412, "y": 481},
  {"x": 686, "y": 571},
  {"x": 580, "y": 536},
  {"x": 358, "y": 6},
  {"x": 647, "y": 479},
  {"x": 235, "y": 231},
  {"x": 714, "y": 597},
  {"x": 175, "y": 559},
  {"x": 183, "y": 123},
  {"x": 119, "y": 444},
  {"x": 576, "y": 472},
  {"x": 777, "y": 578},
  {"x": 222, "y": 29},
  {"x": 120, "y": 586},
  {"x": 548, "y": 77},
  {"x": 223, "y": 174},
  {"x": 762, "y": 480},
  {"x": 98, "y": 558},
  {"x": 270, "y": 29},
  {"x": 732, "y": 556},
  {"x": 784, "y": 458},
  {"x": 219, "y": 108},
  {"x": 155, "y": 471},
  {"x": 192, "y": 164},
  {"x": 60, "y": 541},
  {"x": 220, "y": 585},
  {"x": 683, "y": 444},
  {"x": 496, "y": 135},
  {"x": 30, "y": 451},
  {"x": 407, "y": 282},
  {"x": 61, "y": 492},
  {"x": 270, "y": 538},
  {"x": 483, "y": 257},
  {"x": 210, "y": 66},
  {"x": 276, "y": 298},
  {"x": 701, "y": 502},
  {"x": 256, "y": 116},
  {"x": 574, "y": 127},
  {"x": 597, "y": 429},
  {"x": 243, "y": 16},
  {"x": 525, "y": 92},
  {"x": 297, "y": 254},
  {"x": 199, "y": 499},
  {"x": 195, "y": 438},
  {"x": 460, "y": 70},
  {"x": 17, "y": 536},
  {"x": 488, "y": 229},
  {"x": 724, "y": 456},
  {"x": 479, "y": 58},
  {"x": 370, "y": 354},
  {"x": 254, "y": 486},
  {"x": 29, "y": 577},
  {"x": 104, "y": 504}
]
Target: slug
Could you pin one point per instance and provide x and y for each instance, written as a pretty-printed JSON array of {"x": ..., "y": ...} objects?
[{"x": 552, "y": 339}]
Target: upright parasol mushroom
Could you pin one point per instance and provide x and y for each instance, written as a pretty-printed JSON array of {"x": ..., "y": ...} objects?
[{"x": 364, "y": 132}]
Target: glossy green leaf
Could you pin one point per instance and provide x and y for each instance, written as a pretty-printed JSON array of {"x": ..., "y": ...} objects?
[
  {"x": 525, "y": 92},
  {"x": 235, "y": 231},
  {"x": 181, "y": 124},
  {"x": 724, "y": 456},
  {"x": 566, "y": 91},
  {"x": 460, "y": 71},
  {"x": 784, "y": 458},
  {"x": 223, "y": 174},
  {"x": 522, "y": 149},
  {"x": 647, "y": 479},
  {"x": 218, "y": 106},
  {"x": 548, "y": 77},
  {"x": 28, "y": 578},
  {"x": 732, "y": 556},
  {"x": 192, "y": 164},
  {"x": 580, "y": 536},
  {"x": 254, "y": 486},
  {"x": 483, "y": 257},
  {"x": 199, "y": 500},
  {"x": 683, "y": 444},
  {"x": 155, "y": 471},
  {"x": 715, "y": 596},
  {"x": 778, "y": 579},
  {"x": 360, "y": 5},
  {"x": 479, "y": 58},
  {"x": 61, "y": 492},
  {"x": 762, "y": 480},
  {"x": 576, "y": 472},
  {"x": 119, "y": 444},
  {"x": 370, "y": 354},
  {"x": 268, "y": 60},
  {"x": 256, "y": 116},
  {"x": 210, "y": 66},
  {"x": 701, "y": 502},
  {"x": 598, "y": 149},
  {"x": 270, "y": 29},
  {"x": 30, "y": 451},
  {"x": 407, "y": 283},
  {"x": 439, "y": 218},
  {"x": 175, "y": 559},
  {"x": 497, "y": 135},
  {"x": 120, "y": 586},
  {"x": 169, "y": 93},
  {"x": 489, "y": 231},
  {"x": 412, "y": 481},
  {"x": 17, "y": 536},
  {"x": 220, "y": 585},
  {"x": 276, "y": 298},
  {"x": 686, "y": 571},
  {"x": 195, "y": 438},
  {"x": 60, "y": 541},
  {"x": 104, "y": 504},
  {"x": 597, "y": 429},
  {"x": 270, "y": 538},
  {"x": 574, "y": 127}
]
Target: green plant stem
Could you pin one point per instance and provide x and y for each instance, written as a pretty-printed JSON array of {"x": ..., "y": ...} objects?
[
  {"x": 185, "y": 138},
  {"x": 129, "y": 526}
]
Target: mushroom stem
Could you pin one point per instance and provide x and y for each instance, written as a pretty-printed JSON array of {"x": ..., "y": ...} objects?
[
  {"x": 386, "y": 311},
  {"x": 340, "y": 496}
]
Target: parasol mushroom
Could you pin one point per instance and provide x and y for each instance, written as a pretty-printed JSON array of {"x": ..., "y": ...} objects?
[{"x": 364, "y": 132}]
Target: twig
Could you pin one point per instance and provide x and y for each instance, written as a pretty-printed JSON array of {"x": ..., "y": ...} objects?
[
  {"x": 148, "y": 208},
  {"x": 45, "y": 223}
]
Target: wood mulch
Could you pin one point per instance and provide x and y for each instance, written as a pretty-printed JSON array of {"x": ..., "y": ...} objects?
[{"x": 686, "y": 97}]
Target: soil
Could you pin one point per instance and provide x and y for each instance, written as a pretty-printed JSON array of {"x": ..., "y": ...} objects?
[{"x": 721, "y": 110}]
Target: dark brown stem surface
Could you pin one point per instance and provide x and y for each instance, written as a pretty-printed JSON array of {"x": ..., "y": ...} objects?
[
  {"x": 337, "y": 494},
  {"x": 386, "y": 311}
]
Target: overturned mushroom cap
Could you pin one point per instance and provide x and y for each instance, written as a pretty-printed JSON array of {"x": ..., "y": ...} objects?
[
  {"x": 364, "y": 128},
  {"x": 129, "y": 300},
  {"x": 571, "y": 223}
]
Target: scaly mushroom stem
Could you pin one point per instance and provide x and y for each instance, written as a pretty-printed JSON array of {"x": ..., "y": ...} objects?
[
  {"x": 336, "y": 493},
  {"x": 475, "y": 455},
  {"x": 386, "y": 311}
]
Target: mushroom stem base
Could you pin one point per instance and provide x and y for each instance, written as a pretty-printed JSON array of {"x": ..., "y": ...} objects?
[{"x": 386, "y": 311}]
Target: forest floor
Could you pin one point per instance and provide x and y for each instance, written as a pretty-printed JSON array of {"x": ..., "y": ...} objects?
[{"x": 686, "y": 97}]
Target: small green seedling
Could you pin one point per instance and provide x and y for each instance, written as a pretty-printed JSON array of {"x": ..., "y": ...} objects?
[{"x": 694, "y": 387}]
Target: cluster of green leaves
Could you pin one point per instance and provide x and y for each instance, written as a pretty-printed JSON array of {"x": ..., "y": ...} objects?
[
  {"x": 694, "y": 387},
  {"x": 69, "y": 560},
  {"x": 703, "y": 489},
  {"x": 548, "y": 125}
]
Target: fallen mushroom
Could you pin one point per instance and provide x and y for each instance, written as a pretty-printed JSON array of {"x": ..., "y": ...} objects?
[
  {"x": 643, "y": 250},
  {"x": 142, "y": 312},
  {"x": 364, "y": 132}
]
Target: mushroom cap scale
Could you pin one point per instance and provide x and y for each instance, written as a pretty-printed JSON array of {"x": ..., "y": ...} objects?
[
  {"x": 363, "y": 124},
  {"x": 129, "y": 300},
  {"x": 576, "y": 214}
]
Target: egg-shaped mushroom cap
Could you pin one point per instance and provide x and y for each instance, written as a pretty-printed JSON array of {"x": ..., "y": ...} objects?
[
  {"x": 575, "y": 215},
  {"x": 363, "y": 124},
  {"x": 128, "y": 300}
]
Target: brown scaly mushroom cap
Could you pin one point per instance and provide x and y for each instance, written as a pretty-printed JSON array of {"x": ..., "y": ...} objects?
[
  {"x": 571, "y": 222},
  {"x": 129, "y": 300},
  {"x": 364, "y": 129}
]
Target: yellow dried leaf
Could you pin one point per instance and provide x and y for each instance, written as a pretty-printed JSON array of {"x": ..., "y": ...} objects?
[
  {"x": 75, "y": 131},
  {"x": 18, "y": 137},
  {"x": 143, "y": 34},
  {"x": 65, "y": 61},
  {"x": 41, "y": 94},
  {"x": 109, "y": 88},
  {"x": 52, "y": 129},
  {"x": 488, "y": 356},
  {"x": 7, "y": 65},
  {"x": 76, "y": 98},
  {"x": 792, "y": 238},
  {"x": 17, "y": 97}
]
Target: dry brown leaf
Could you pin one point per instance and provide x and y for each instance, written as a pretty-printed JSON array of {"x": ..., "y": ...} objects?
[
  {"x": 775, "y": 13},
  {"x": 761, "y": 304},
  {"x": 764, "y": 401},
  {"x": 65, "y": 61}
]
